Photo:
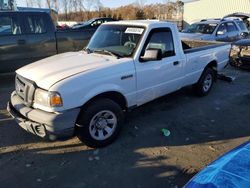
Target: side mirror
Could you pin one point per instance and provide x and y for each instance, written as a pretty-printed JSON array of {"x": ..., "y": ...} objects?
[
  {"x": 152, "y": 55},
  {"x": 244, "y": 34},
  {"x": 220, "y": 33}
]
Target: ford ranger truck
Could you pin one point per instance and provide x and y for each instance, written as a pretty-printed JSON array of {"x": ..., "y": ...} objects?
[{"x": 125, "y": 65}]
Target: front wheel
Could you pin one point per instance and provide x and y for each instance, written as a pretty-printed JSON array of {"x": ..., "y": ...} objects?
[
  {"x": 206, "y": 82},
  {"x": 100, "y": 123}
]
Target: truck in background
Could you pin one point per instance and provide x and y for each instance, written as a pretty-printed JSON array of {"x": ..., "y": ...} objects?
[{"x": 29, "y": 35}]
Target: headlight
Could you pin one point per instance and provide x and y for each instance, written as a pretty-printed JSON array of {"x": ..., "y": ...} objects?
[
  {"x": 234, "y": 50},
  {"x": 48, "y": 99}
]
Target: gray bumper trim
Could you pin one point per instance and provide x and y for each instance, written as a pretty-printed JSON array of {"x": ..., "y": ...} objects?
[{"x": 54, "y": 123}]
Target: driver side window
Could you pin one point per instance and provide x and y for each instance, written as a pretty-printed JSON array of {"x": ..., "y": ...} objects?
[{"x": 161, "y": 39}]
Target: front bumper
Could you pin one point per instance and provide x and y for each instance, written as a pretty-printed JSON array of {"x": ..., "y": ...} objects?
[
  {"x": 41, "y": 123},
  {"x": 241, "y": 62}
]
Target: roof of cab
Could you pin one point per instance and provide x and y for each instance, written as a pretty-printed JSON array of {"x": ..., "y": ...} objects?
[
  {"x": 217, "y": 21},
  {"x": 144, "y": 23},
  {"x": 29, "y": 10},
  {"x": 21, "y": 11}
]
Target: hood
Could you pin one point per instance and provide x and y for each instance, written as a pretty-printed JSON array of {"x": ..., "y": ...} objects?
[
  {"x": 195, "y": 36},
  {"x": 243, "y": 42},
  {"x": 49, "y": 71}
]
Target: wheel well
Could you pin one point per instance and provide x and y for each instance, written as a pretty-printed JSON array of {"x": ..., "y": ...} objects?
[
  {"x": 213, "y": 65},
  {"x": 112, "y": 95}
]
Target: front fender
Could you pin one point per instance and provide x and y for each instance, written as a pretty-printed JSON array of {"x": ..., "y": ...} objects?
[{"x": 102, "y": 89}]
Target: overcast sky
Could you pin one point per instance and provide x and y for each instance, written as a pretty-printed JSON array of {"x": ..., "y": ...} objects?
[{"x": 107, "y": 3}]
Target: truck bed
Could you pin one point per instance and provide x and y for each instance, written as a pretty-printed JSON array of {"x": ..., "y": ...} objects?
[{"x": 190, "y": 46}]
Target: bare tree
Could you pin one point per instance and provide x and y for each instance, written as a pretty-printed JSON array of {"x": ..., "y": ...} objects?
[
  {"x": 53, "y": 4},
  {"x": 98, "y": 6},
  {"x": 29, "y": 3},
  {"x": 65, "y": 5},
  {"x": 74, "y": 5},
  {"x": 38, "y": 3},
  {"x": 56, "y": 5},
  {"x": 48, "y": 2},
  {"x": 141, "y": 3},
  {"x": 88, "y": 5}
]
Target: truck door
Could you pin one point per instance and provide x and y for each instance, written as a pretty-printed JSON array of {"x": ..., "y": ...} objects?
[
  {"x": 159, "y": 77},
  {"x": 221, "y": 33},
  {"x": 39, "y": 36},
  {"x": 12, "y": 40}
]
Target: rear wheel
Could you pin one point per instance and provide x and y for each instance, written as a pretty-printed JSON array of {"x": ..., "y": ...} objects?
[
  {"x": 100, "y": 123},
  {"x": 206, "y": 82}
]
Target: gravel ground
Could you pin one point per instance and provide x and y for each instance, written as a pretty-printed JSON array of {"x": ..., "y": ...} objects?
[{"x": 201, "y": 130}]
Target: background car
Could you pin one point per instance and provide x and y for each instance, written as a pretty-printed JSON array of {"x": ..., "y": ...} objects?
[
  {"x": 244, "y": 16},
  {"x": 240, "y": 54},
  {"x": 93, "y": 23},
  {"x": 227, "y": 30}
]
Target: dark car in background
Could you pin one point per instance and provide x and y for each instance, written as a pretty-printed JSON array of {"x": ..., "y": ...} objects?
[
  {"x": 240, "y": 54},
  {"x": 226, "y": 30},
  {"x": 93, "y": 23},
  {"x": 30, "y": 35}
]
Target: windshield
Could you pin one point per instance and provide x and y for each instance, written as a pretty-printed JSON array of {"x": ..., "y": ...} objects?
[
  {"x": 117, "y": 39},
  {"x": 203, "y": 28}
]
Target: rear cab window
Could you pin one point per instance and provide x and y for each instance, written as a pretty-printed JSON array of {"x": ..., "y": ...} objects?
[{"x": 9, "y": 25}]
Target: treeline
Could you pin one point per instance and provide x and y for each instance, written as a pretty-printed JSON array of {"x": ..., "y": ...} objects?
[
  {"x": 81, "y": 10},
  {"x": 167, "y": 11}
]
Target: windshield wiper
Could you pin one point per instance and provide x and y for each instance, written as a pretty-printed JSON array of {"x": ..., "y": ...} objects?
[{"x": 108, "y": 52}]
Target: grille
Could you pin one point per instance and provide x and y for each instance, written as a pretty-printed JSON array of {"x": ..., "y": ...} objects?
[
  {"x": 25, "y": 89},
  {"x": 245, "y": 51}
]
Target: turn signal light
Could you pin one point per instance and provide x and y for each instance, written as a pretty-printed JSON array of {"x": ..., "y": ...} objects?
[{"x": 55, "y": 100}]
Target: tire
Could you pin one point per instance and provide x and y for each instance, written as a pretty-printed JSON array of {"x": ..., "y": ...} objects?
[
  {"x": 205, "y": 83},
  {"x": 99, "y": 124}
]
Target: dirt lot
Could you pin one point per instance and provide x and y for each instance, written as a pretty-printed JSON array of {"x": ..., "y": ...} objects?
[{"x": 201, "y": 130}]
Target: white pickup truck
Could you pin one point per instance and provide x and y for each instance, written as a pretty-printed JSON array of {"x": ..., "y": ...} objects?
[{"x": 125, "y": 65}]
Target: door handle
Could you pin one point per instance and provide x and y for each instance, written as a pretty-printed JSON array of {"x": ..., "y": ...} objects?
[
  {"x": 176, "y": 63},
  {"x": 21, "y": 42}
]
